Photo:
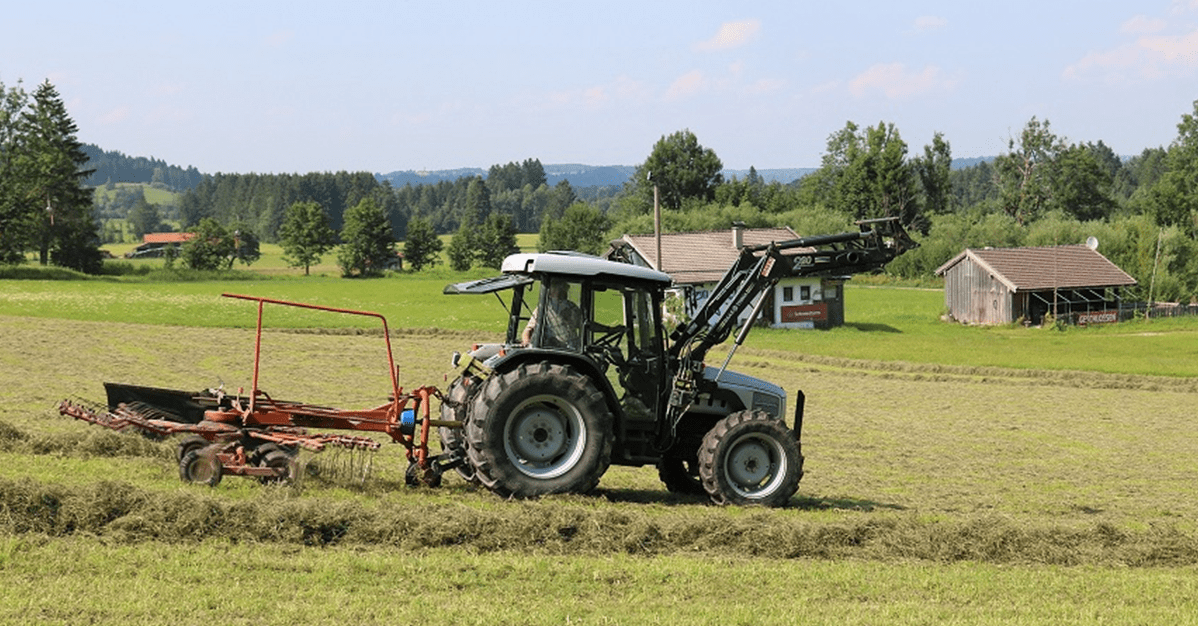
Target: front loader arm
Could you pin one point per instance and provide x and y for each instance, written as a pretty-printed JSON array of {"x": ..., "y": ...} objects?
[{"x": 758, "y": 268}]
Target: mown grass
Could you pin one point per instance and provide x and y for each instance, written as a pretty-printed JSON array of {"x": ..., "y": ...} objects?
[
  {"x": 953, "y": 475},
  {"x": 74, "y": 581}
]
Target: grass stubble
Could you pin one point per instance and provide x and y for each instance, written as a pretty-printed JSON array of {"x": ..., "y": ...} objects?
[{"x": 933, "y": 494}]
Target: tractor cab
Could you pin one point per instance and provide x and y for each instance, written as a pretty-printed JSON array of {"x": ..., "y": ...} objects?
[{"x": 578, "y": 308}]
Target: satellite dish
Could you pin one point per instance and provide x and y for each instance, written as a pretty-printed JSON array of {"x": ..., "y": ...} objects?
[{"x": 1092, "y": 243}]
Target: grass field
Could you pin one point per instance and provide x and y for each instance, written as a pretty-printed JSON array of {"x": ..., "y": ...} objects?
[{"x": 954, "y": 475}]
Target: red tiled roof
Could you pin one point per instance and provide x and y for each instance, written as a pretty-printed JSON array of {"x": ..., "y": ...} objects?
[
  {"x": 166, "y": 237},
  {"x": 700, "y": 257},
  {"x": 1031, "y": 269}
]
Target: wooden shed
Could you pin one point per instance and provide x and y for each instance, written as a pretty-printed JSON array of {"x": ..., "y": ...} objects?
[{"x": 1005, "y": 285}]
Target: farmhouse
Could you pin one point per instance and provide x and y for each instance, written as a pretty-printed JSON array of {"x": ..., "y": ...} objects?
[
  {"x": 697, "y": 260},
  {"x": 1005, "y": 285},
  {"x": 156, "y": 244}
]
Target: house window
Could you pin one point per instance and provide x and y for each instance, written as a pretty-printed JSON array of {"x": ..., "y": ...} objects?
[
  {"x": 805, "y": 293},
  {"x": 788, "y": 294}
]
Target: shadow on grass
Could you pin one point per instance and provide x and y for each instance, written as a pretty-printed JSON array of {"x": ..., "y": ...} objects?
[
  {"x": 872, "y": 328},
  {"x": 842, "y": 504},
  {"x": 807, "y": 503}
]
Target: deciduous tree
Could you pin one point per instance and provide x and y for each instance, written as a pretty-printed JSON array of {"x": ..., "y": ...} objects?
[
  {"x": 1023, "y": 174},
  {"x": 582, "y": 228},
  {"x": 212, "y": 248},
  {"x": 368, "y": 243},
  {"x": 681, "y": 168},
  {"x": 305, "y": 235},
  {"x": 1173, "y": 198}
]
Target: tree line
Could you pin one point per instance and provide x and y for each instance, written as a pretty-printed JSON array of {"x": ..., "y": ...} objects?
[
  {"x": 111, "y": 167},
  {"x": 1043, "y": 190}
]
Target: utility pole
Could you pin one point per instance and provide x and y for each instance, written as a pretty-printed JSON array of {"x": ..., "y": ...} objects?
[{"x": 661, "y": 266}]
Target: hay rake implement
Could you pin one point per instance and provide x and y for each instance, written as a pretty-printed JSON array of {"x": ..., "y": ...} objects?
[{"x": 255, "y": 435}]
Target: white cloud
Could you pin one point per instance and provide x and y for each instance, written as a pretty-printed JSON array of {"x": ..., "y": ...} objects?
[
  {"x": 1143, "y": 25},
  {"x": 620, "y": 92},
  {"x": 686, "y": 85},
  {"x": 1146, "y": 58},
  {"x": 895, "y": 82},
  {"x": 731, "y": 35},
  {"x": 1179, "y": 49},
  {"x": 116, "y": 115},
  {"x": 279, "y": 39},
  {"x": 930, "y": 22}
]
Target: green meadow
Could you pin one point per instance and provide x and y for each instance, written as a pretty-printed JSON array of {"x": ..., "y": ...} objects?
[{"x": 954, "y": 474}]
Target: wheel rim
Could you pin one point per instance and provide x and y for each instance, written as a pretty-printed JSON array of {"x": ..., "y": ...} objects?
[
  {"x": 755, "y": 465},
  {"x": 545, "y": 436}
]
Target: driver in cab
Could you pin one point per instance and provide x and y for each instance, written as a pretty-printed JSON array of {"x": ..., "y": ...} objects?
[{"x": 562, "y": 319}]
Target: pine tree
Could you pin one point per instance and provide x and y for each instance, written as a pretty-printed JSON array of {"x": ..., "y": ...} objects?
[
  {"x": 13, "y": 214},
  {"x": 497, "y": 241},
  {"x": 422, "y": 248},
  {"x": 65, "y": 231}
]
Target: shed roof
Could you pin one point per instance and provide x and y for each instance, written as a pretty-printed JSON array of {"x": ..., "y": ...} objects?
[
  {"x": 703, "y": 256},
  {"x": 166, "y": 237},
  {"x": 1050, "y": 267}
]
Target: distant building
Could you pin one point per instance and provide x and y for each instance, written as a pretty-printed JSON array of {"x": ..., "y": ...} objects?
[
  {"x": 1005, "y": 285},
  {"x": 698, "y": 260},
  {"x": 156, "y": 244}
]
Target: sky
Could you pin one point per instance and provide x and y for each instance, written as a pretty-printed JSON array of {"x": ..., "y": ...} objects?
[{"x": 298, "y": 86}]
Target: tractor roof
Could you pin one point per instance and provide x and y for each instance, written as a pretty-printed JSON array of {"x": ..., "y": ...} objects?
[
  {"x": 580, "y": 265},
  {"x": 520, "y": 269}
]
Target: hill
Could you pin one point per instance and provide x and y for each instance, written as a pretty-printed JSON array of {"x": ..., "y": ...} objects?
[
  {"x": 578, "y": 174},
  {"x": 116, "y": 167}
]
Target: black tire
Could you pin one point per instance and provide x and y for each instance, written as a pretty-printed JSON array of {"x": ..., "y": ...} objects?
[
  {"x": 750, "y": 457},
  {"x": 278, "y": 459},
  {"x": 453, "y": 440},
  {"x": 681, "y": 475},
  {"x": 200, "y": 466},
  {"x": 539, "y": 429},
  {"x": 189, "y": 443}
]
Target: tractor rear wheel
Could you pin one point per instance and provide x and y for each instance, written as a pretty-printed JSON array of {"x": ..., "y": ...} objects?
[
  {"x": 453, "y": 440},
  {"x": 539, "y": 429},
  {"x": 750, "y": 457}
]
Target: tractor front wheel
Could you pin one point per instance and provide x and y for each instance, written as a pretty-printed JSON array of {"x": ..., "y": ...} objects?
[
  {"x": 750, "y": 457},
  {"x": 539, "y": 429}
]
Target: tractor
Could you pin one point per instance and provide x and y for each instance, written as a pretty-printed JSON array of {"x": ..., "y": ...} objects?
[{"x": 589, "y": 375}]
